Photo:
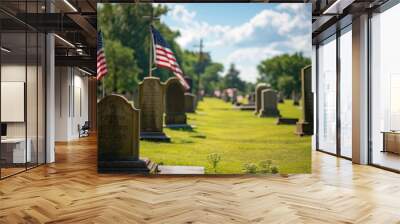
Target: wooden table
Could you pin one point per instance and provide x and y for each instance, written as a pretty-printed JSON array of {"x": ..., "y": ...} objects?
[{"x": 391, "y": 141}]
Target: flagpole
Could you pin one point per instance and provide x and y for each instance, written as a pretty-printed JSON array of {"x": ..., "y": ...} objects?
[
  {"x": 103, "y": 89},
  {"x": 150, "y": 52}
]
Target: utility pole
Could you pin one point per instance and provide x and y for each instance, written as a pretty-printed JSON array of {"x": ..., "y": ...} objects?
[
  {"x": 199, "y": 63},
  {"x": 151, "y": 41}
]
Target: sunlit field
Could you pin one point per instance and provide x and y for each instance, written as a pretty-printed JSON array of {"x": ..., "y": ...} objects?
[{"x": 239, "y": 137}]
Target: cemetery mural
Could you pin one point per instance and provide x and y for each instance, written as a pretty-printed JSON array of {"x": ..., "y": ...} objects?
[{"x": 201, "y": 88}]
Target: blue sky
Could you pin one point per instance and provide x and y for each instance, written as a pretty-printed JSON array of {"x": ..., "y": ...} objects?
[{"x": 243, "y": 34}]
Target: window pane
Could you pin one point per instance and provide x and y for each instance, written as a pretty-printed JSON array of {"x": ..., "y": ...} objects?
[
  {"x": 385, "y": 84},
  {"x": 327, "y": 96},
  {"x": 346, "y": 94}
]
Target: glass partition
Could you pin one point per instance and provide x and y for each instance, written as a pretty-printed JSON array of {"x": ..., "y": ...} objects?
[
  {"x": 14, "y": 153},
  {"x": 346, "y": 93},
  {"x": 22, "y": 90},
  {"x": 385, "y": 89},
  {"x": 327, "y": 96}
]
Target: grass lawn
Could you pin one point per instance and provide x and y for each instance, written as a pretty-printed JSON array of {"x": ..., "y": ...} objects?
[{"x": 238, "y": 136}]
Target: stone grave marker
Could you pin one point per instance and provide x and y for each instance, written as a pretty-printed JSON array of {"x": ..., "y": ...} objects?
[
  {"x": 175, "y": 116},
  {"x": 305, "y": 126},
  {"x": 190, "y": 101},
  {"x": 269, "y": 104},
  {"x": 151, "y": 101},
  {"x": 259, "y": 88},
  {"x": 118, "y": 136}
]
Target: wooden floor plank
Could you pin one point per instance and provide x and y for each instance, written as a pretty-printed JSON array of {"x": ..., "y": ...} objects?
[{"x": 71, "y": 191}]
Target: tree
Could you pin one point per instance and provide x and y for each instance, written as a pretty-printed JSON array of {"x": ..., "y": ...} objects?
[
  {"x": 122, "y": 69},
  {"x": 283, "y": 72},
  {"x": 126, "y": 27},
  {"x": 286, "y": 84},
  {"x": 232, "y": 79},
  {"x": 211, "y": 77}
]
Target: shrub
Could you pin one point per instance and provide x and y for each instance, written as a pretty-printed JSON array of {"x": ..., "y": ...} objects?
[
  {"x": 250, "y": 168},
  {"x": 214, "y": 159},
  {"x": 264, "y": 167},
  {"x": 274, "y": 170}
]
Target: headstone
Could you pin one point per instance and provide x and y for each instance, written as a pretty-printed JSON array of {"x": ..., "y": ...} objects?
[
  {"x": 190, "y": 101},
  {"x": 259, "y": 88},
  {"x": 201, "y": 95},
  {"x": 118, "y": 136},
  {"x": 189, "y": 81},
  {"x": 306, "y": 126},
  {"x": 217, "y": 93},
  {"x": 296, "y": 99},
  {"x": 175, "y": 116},
  {"x": 251, "y": 99},
  {"x": 225, "y": 95},
  {"x": 281, "y": 97},
  {"x": 135, "y": 97},
  {"x": 250, "y": 103},
  {"x": 269, "y": 104},
  {"x": 151, "y": 101},
  {"x": 234, "y": 96}
]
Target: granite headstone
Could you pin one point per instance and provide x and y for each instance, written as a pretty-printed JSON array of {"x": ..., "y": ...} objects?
[
  {"x": 175, "y": 116},
  {"x": 269, "y": 104},
  {"x": 259, "y": 88},
  {"x": 151, "y": 101},
  {"x": 190, "y": 101},
  {"x": 118, "y": 136},
  {"x": 305, "y": 126}
]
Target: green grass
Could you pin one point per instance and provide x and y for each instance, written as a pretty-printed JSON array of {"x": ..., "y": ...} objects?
[{"x": 238, "y": 136}]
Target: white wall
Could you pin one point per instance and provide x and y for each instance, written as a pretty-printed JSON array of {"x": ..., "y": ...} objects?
[{"x": 71, "y": 102}]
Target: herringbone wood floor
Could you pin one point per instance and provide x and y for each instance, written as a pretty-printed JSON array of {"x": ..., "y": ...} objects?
[{"x": 71, "y": 191}]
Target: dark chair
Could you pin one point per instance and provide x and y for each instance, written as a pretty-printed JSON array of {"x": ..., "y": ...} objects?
[{"x": 84, "y": 130}]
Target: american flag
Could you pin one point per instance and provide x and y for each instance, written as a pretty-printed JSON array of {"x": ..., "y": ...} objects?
[
  {"x": 101, "y": 58},
  {"x": 164, "y": 57}
]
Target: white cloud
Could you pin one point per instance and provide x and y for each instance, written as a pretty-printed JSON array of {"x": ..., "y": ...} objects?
[
  {"x": 247, "y": 54},
  {"x": 179, "y": 12},
  {"x": 247, "y": 59},
  {"x": 191, "y": 30},
  {"x": 294, "y": 7},
  {"x": 288, "y": 22},
  {"x": 299, "y": 43}
]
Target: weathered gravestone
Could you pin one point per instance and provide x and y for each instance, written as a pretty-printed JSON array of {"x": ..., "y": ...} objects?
[
  {"x": 118, "y": 136},
  {"x": 190, "y": 101},
  {"x": 251, "y": 99},
  {"x": 225, "y": 95},
  {"x": 296, "y": 99},
  {"x": 259, "y": 88},
  {"x": 189, "y": 81},
  {"x": 269, "y": 103},
  {"x": 250, "y": 103},
  {"x": 306, "y": 126},
  {"x": 151, "y": 101},
  {"x": 281, "y": 97},
  {"x": 175, "y": 116},
  {"x": 135, "y": 97},
  {"x": 234, "y": 99}
]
